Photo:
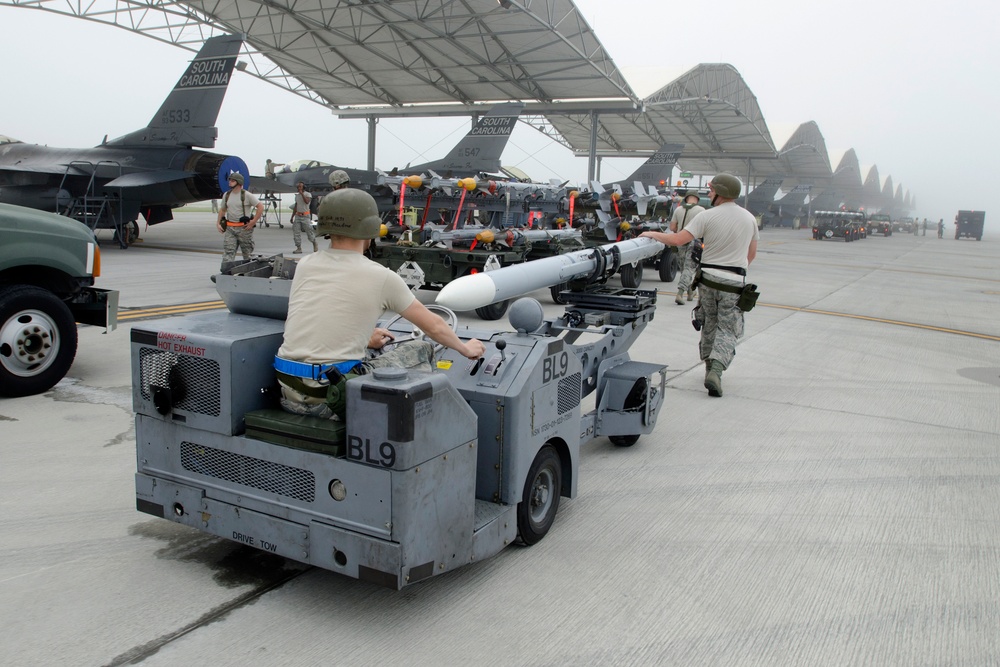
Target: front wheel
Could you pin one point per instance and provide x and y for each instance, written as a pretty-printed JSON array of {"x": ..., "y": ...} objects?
[
  {"x": 494, "y": 311},
  {"x": 540, "y": 500},
  {"x": 631, "y": 275},
  {"x": 668, "y": 266},
  {"x": 623, "y": 440},
  {"x": 555, "y": 292},
  {"x": 37, "y": 340}
]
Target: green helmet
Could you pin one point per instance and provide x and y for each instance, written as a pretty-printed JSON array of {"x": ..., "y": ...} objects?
[
  {"x": 236, "y": 176},
  {"x": 349, "y": 212},
  {"x": 339, "y": 177},
  {"x": 726, "y": 186},
  {"x": 692, "y": 193}
]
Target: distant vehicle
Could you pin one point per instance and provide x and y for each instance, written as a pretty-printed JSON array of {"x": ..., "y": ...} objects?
[
  {"x": 880, "y": 223},
  {"x": 904, "y": 225},
  {"x": 970, "y": 224},
  {"x": 149, "y": 172},
  {"x": 47, "y": 268},
  {"x": 848, "y": 225}
]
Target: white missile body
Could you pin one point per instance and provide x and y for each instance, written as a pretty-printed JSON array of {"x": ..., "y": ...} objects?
[
  {"x": 482, "y": 289},
  {"x": 509, "y": 236}
]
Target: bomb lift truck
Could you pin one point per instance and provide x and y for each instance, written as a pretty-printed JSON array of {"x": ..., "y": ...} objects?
[{"x": 429, "y": 472}]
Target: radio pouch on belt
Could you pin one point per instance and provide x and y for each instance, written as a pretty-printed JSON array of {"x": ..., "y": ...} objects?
[{"x": 748, "y": 298}]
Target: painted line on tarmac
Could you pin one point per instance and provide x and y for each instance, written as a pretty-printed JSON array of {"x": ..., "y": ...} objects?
[
  {"x": 882, "y": 320},
  {"x": 867, "y": 318},
  {"x": 167, "y": 311}
]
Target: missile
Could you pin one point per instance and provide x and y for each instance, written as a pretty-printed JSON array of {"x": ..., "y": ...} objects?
[
  {"x": 511, "y": 237},
  {"x": 481, "y": 289}
]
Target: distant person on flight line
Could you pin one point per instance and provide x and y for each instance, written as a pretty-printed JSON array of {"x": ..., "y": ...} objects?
[
  {"x": 301, "y": 220},
  {"x": 684, "y": 214},
  {"x": 239, "y": 213}
]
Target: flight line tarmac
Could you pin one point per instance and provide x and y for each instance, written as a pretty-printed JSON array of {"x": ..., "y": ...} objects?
[{"x": 839, "y": 505}]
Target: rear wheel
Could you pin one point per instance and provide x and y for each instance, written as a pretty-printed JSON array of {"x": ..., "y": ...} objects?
[
  {"x": 540, "y": 499},
  {"x": 37, "y": 340}
]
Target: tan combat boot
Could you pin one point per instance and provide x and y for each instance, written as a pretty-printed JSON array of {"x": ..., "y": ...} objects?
[
  {"x": 713, "y": 378},
  {"x": 315, "y": 247},
  {"x": 297, "y": 251}
]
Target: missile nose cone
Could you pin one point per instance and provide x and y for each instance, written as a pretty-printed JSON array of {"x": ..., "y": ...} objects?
[{"x": 468, "y": 292}]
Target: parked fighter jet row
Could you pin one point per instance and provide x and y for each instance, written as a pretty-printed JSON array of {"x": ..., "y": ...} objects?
[{"x": 149, "y": 172}]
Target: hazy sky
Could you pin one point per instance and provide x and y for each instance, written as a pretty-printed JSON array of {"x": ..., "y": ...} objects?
[{"x": 911, "y": 86}]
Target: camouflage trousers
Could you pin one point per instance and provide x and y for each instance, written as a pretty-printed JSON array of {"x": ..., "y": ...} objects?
[
  {"x": 686, "y": 269},
  {"x": 415, "y": 355},
  {"x": 302, "y": 223},
  {"x": 237, "y": 238},
  {"x": 722, "y": 322}
]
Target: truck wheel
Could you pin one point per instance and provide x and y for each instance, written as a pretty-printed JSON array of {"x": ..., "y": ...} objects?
[
  {"x": 540, "y": 499},
  {"x": 623, "y": 440},
  {"x": 668, "y": 266},
  {"x": 631, "y": 275},
  {"x": 494, "y": 311},
  {"x": 37, "y": 340}
]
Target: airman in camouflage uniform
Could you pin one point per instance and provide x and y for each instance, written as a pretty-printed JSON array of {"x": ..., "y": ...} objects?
[
  {"x": 730, "y": 233},
  {"x": 682, "y": 216},
  {"x": 234, "y": 223}
]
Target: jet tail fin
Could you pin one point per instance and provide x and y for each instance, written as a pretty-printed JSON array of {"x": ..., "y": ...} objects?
[
  {"x": 658, "y": 167},
  {"x": 187, "y": 117},
  {"x": 480, "y": 149}
]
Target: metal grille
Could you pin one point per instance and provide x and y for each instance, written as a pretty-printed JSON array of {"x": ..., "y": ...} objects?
[
  {"x": 569, "y": 392},
  {"x": 195, "y": 381},
  {"x": 249, "y": 471}
]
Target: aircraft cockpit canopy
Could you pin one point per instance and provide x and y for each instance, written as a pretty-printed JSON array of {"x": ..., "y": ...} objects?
[
  {"x": 9, "y": 140},
  {"x": 300, "y": 165}
]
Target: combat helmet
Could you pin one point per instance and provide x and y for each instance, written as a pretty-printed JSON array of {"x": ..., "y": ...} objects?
[
  {"x": 692, "y": 193},
  {"x": 236, "y": 176},
  {"x": 726, "y": 186},
  {"x": 349, "y": 212},
  {"x": 339, "y": 177}
]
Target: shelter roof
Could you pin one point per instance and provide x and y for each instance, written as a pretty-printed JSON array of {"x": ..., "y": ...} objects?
[
  {"x": 709, "y": 109},
  {"x": 391, "y": 55}
]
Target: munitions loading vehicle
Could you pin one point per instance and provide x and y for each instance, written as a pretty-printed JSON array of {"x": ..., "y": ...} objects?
[
  {"x": 848, "y": 225},
  {"x": 47, "y": 268},
  {"x": 429, "y": 472},
  {"x": 970, "y": 224},
  {"x": 880, "y": 223}
]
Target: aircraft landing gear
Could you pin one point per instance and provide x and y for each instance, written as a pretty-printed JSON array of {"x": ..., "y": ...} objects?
[{"x": 127, "y": 234}]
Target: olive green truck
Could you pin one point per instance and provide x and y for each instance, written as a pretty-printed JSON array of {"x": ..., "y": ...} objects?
[{"x": 47, "y": 268}]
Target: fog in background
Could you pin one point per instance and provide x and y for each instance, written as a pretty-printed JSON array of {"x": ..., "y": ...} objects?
[{"x": 912, "y": 87}]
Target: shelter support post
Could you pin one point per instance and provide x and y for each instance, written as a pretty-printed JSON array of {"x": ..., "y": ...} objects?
[
  {"x": 372, "y": 123},
  {"x": 592, "y": 158}
]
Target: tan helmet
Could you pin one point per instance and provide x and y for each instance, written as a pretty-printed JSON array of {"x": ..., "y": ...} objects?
[
  {"x": 726, "y": 186},
  {"x": 339, "y": 177},
  {"x": 236, "y": 176},
  {"x": 348, "y": 212}
]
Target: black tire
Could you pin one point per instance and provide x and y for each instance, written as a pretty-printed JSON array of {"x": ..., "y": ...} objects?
[
  {"x": 555, "y": 290},
  {"x": 668, "y": 266},
  {"x": 37, "y": 340},
  {"x": 623, "y": 440},
  {"x": 540, "y": 498},
  {"x": 631, "y": 275},
  {"x": 494, "y": 311}
]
